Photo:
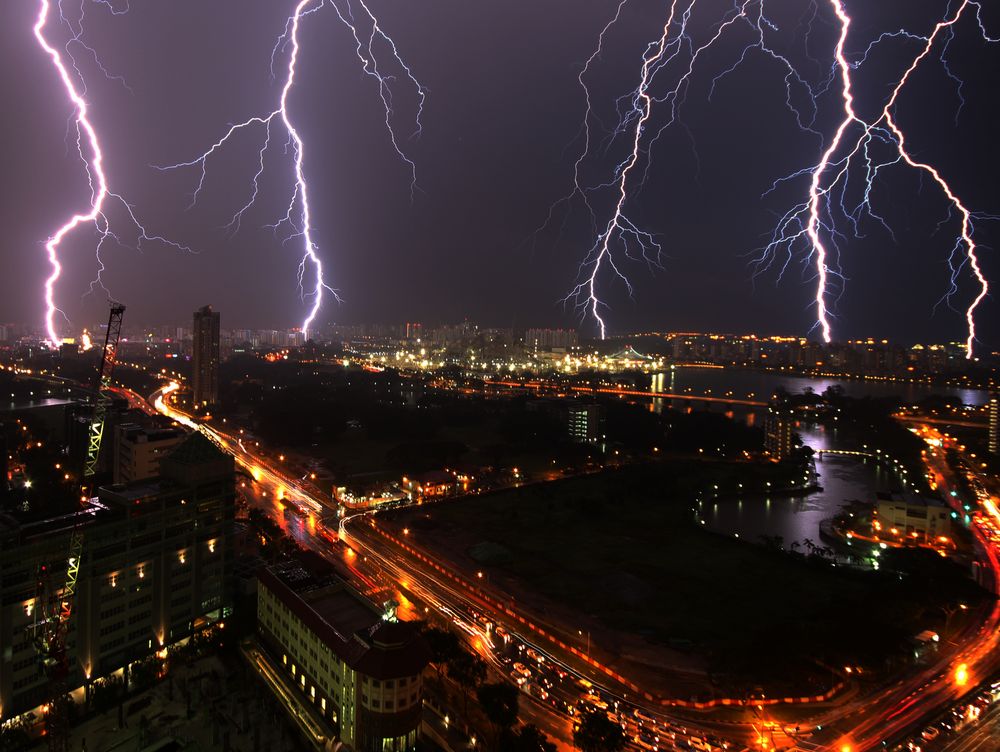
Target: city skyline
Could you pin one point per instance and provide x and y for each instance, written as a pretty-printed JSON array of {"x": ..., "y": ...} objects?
[
  {"x": 447, "y": 255},
  {"x": 500, "y": 377}
]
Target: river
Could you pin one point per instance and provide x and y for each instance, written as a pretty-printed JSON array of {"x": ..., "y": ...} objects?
[
  {"x": 842, "y": 479},
  {"x": 761, "y": 385}
]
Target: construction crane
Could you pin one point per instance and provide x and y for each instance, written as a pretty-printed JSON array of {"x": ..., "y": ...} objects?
[{"x": 52, "y": 627}]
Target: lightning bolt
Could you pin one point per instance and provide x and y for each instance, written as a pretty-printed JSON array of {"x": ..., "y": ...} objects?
[
  {"x": 855, "y": 147},
  {"x": 815, "y": 218},
  {"x": 675, "y": 48},
  {"x": 298, "y": 213},
  {"x": 812, "y": 226},
  {"x": 88, "y": 147}
]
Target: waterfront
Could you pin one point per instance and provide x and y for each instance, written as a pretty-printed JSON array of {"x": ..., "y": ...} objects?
[
  {"x": 760, "y": 385},
  {"x": 796, "y": 518}
]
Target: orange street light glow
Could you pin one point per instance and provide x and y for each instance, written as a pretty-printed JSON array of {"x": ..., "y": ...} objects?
[{"x": 962, "y": 675}]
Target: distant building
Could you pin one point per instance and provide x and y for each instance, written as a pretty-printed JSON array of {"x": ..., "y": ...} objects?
[
  {"x": 356, "y": 668},
  {"x": 432, "y": 484},
  {"x": 138, "y": 451},
  {"x": 584, "y": 423},
  {"x": 155, "y": 569},
  {"x": 779, "y": 428},
  {"x": 995, "y": 423},
  {"x": 548, "y": 339},
  {"x": 206, "y": 356},
  {"x": 910, "y": 516}
]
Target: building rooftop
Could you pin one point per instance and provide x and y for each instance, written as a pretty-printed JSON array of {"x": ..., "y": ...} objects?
[
  {"x": 351, "y": 625},
  {"x": 132, "y": 493},
  {"x": 139, "y": 433},
  {"x": 196, "y": 450},
  {"x": 27, "y": 529},
  {"x": 35, "y": 404},
  {"x": 911, "y": 499}
]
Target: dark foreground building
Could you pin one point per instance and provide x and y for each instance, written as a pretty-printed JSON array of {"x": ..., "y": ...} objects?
[
  {"x": 155, "y": 569},
  {"x": 359, "y": 668}
]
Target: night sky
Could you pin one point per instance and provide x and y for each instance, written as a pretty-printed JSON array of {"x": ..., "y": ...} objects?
[{"x": 503, "y": 110}]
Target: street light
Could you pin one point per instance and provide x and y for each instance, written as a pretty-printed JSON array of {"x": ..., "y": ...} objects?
[{"x": 961, "y": 675}]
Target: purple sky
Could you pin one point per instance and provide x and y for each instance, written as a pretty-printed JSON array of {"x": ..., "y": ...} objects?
[{"x": 503, "y": 109}]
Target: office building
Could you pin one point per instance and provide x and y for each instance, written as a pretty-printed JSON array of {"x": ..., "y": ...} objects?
[
  {"x": 206, "y": 357},
  {"x": 901, "y": 516},
  {"x": 155, "y": 569},
  {"x": 585, "y": 423},
  {"x": 138, "y": 451},
  {"x": 356, "y": 668},
  {"x": 994, "y": 408},
  {"x": 779, "y": 428}
]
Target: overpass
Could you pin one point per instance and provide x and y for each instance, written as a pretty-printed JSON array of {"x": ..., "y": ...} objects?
[{"x": 942, "y": 421}]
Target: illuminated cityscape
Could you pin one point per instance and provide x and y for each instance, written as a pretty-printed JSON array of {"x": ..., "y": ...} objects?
[{"x": 610, "y": 377}]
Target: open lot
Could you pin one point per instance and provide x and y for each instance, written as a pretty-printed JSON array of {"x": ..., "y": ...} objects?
[{"x": 621, "y": 551}]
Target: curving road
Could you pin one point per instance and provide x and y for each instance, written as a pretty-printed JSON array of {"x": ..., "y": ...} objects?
[{"x": 858, "y": 725}]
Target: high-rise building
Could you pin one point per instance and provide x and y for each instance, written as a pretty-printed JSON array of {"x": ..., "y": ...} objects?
[
  {"x": 357, "y": 669},
  {"x": 585, "y": 423},
  {"x": 206, "y": 356},
  {"x": 138, "y": 451},
  {"x": 995, "y": 423},
  {"x": 156, "y": 568},
  {"x": 779, "y": 428}
]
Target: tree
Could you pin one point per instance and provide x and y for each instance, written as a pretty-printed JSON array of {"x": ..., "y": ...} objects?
[
  {"x": 528, "y": 739},
  {"x": 597, "y": 734},
  {"x": 469, "y": 671},
  {"x": 443, "y": 645},
  {"x": 499, "y": 702}
]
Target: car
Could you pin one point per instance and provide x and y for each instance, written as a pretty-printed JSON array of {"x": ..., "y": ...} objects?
[
  {"x": 535, "y": 691},
  {"x": 930, "y": 733}
]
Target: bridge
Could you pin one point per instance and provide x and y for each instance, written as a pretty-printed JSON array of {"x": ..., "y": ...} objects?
[{"x": 615, "y": 391}]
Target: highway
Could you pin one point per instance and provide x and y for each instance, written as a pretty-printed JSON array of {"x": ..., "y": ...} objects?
[
  {"x": 892, "y": 712},
  {"x": 380, "y": 574},
  {"x": 378, "y": 568},
  {"x": 983, "y": 737}
]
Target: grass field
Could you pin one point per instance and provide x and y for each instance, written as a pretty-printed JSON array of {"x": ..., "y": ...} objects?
[{"x": 623, "y": 548}]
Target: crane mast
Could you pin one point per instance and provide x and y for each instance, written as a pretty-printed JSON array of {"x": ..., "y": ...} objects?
[{"x": 53, "y": 626}]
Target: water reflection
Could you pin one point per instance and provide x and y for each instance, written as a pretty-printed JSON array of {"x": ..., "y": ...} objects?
[
  {"x": 843, "y": 479},
  {"x": 762, "y": 384}
]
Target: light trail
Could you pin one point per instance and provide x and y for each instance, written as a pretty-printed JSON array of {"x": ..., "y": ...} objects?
[
  {"x": 88, "y": 147},
  {"x": 298, "y": 215}
]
